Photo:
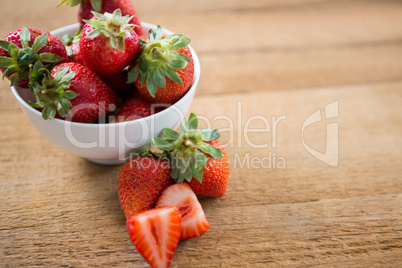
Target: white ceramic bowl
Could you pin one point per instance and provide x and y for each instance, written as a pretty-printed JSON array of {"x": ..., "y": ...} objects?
[{"x": 107, "y": 143}]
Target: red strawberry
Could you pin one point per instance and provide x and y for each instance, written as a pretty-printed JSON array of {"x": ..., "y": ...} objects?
[
  {"x": 155, "y": 233},
  {"x": 141, "y": 182},
  {"x": 27, "y": 47},
  {"x": 73, "y": 92},
  {"x": 102, "y": 6},
  {"x": 164, "y": 71},
  {"x": 194, "y": 223},
  {"x": 133, "y": 109},
  {"x": 215, "y": 174},
  {"x": 77, "y": 55},
  {"x": 118, "y": 82},
  {"x": 136, "y": 108},
  {"x": 108, "y": 43},
  {"x": 197, "y": 157}
]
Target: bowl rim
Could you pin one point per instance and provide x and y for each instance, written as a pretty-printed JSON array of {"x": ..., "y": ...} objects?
[{"x": 192, "y": 89}]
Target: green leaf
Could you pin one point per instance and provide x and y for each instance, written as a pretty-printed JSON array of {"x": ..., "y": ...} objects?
[
  {"x": 170, "y": 134},
  {"x": 143, "y": 64},
  {"x": 183, "y": 127},
  {"x": 48, "y": 112},
  {"x": 121, "y": 43},
  {"x": 60, "y": 109},
  {"x": 70, "y": 2},
  {"x": 69, "y": 94},
  {"x": 113, "y": 42},
  {"x": 96, "y": 5},
  {"x": 10, "y": 70},
  {"x": 67, "y": 39},
  {"x": 48, "y": 57},
  {"x": 25, "y": 37},
  {"x": 13, "y": 50},
  {"x": 199, "y": 161},
  {"x": 77, "y": 35},
  {"x": 132, "y": 75},
  {"x": 159, "y": 78},
  {"x": 187, "y": 168},
  {"x": 66, "y": 104},
  {"x": 94, "y": 33},
  {"x": 162, "y": 144},
  {"x": 35, "y": 105},
  {"x": 172, "y": 75},
  {"x": 209, "y": 134},
  {"x": 4, "y": 44},
  {"x": 27, "y": 58},
  {"x": 117, "y": 14},
  {"x": 175, "y": 171},
  {"x": 177, "y": 64},
  {"x": 98, "y": 15},
  {"x": 39, "y": 42},
  {"x": 211, "y": 150},
  {"x": 180, "y": 42},
  {"x": 14, "y": 79},
  {"x": 192, "y": 123},
  {"x": 6, "y": 62},
  {"x": 158, "y": 33},
  {"x": 151, "y": 86}
]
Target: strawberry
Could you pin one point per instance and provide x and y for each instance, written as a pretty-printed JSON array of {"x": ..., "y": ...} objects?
[
  {"x": 76, "y": 53},
  {"x": 118, "y": 83},
  {"x": 155, "y": 233},
  {"x": 25, "y": 48},
  {"x": 102, "y": 6},
  {"x": 197, "y": 156},
  {"x": 164, "y": 71},
  {"x": 73, "y": 46},
  {"x": 141, "y": 182},
  {"x": 215, "y": 176},
  {"x": 134, "y": 108},
  {"x": 194, "y": 223},
  {"x": 108, "y": 43},
  {"x": 73, "y": 92}
]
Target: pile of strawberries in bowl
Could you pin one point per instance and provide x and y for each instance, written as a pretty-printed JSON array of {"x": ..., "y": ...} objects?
[
  {"x": 104, "y": 74},
  {"x": 109, "y": 88}
]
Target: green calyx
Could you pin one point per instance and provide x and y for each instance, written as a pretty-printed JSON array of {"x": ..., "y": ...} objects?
[
  {"x": 21, "y": 61},
  {"x": 112, "y": 25},
  {"x": 51, "y": 95},
  {"x": 96, "y": 4},
  {"x": 69, "y": 39},
  {"x": 159, "y": 60},
  {"x": 188, "y": 149}
]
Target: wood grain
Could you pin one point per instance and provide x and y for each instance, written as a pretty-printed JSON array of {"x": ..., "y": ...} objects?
[{"x": 262, "y": 61}]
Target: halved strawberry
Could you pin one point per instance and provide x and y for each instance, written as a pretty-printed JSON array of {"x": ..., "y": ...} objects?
[
  {"x": 155, "y": 233},
  {"x": 194, "y": 223}
]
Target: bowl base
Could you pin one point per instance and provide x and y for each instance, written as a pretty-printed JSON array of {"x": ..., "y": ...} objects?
[{"x": 106, "y": 162}]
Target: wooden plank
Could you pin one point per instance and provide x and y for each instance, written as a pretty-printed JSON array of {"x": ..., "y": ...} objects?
[{"x": 298, "y": 56}]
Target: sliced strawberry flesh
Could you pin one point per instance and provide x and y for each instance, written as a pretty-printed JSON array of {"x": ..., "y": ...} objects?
[
  {"x": 180, "y": 195},
  {"x": 155, "y": 233}
]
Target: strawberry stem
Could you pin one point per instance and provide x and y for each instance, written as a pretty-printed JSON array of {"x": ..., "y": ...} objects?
[{"x": 188, "y": 149}]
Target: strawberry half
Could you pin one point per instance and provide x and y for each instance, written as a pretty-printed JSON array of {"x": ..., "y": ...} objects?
[
  {"x": 108, "y": 43},
  {"x": 155, "y": 233},
  {"x": 197, "y": 157},
  {"x": 194, "y": 223},
  {"x": 164, "y": 71}
]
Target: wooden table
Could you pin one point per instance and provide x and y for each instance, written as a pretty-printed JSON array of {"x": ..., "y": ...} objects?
[{"x": 304, "y": 189}]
